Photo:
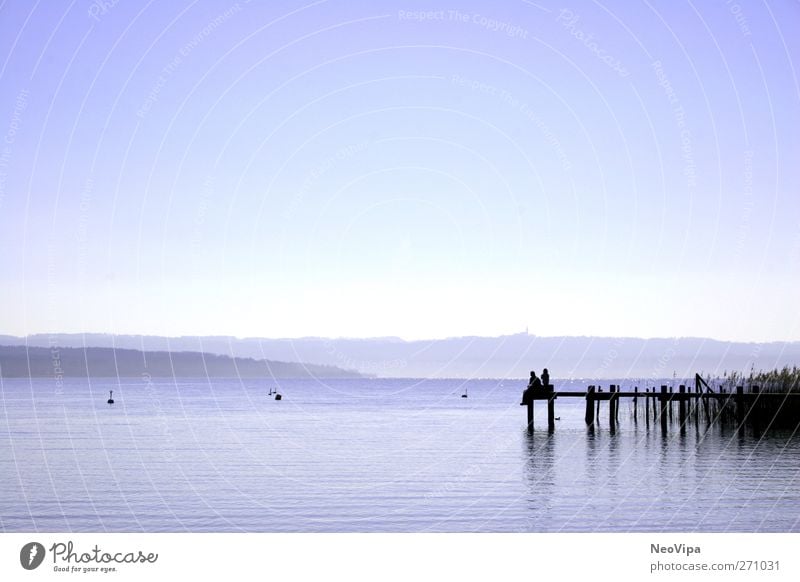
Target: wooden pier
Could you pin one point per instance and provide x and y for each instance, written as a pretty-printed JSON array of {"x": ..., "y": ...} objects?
[{"x": 661, "y": 402}]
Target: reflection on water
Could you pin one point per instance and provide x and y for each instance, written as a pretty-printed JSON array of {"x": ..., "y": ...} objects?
[{"x": 371, "y": 455}]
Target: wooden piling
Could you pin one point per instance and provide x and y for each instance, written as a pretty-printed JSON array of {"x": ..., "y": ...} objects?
[
  {"x": 670, "y": 403},
  {"x": 589, "y": 417},
  {"x": 689, "y": 401},
  {"x": 635, "y": 403},
  {"x": 682, "y": 406},
  {"x": 655, "y": 407},
  {"x": 663, "y": 400},
  {"x": 647, "y": 407},
  {"x": 530, "y": 415},
  {"x": 612, "y": 405},
  {"x": 598, "y": 405},
  {"x": 755, "y": 416},
  {"x": 739, "y": 405},
  {"x": 551, "y": 408}
]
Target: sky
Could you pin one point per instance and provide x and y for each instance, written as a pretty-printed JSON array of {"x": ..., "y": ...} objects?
[{"x": 412, "y": 169}]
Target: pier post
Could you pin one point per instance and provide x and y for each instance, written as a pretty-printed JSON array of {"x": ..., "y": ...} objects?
[
  {"x": 647, "y": 407},
  {"x": 589, "y": 417},
  {"x": 722, "y": 404},
  {"x": 551, "y": 408},
  {"x": 663, "y": 400},
  {"x": 739, "y": 405},
  {"x": 688, "y": 390},
  {"x": 612, "y": 407},
  {"x": 655, "y": 406},
  {"x": 530, "y": 414},
  {"x": 635, "y": 403},
  {"x": 697, "y": 405},
  {"x": 598, "y": 405},
  {"x": 755, "y": 416},
  {"x": 682, "y": 404},
  {"x": 670, "y": 403}
]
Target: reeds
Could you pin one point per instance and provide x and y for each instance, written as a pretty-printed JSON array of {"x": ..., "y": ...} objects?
[{"x": 762, "y": 412}]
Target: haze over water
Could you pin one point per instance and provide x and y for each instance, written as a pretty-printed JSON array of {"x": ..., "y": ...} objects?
[{"x": 368, "y": 455}]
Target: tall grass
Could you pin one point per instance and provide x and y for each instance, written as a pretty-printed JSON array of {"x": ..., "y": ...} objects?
[{"x": 773, "y": 412}]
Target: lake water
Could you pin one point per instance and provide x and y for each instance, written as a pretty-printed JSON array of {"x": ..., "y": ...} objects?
[{"x": 368, "y": 456}]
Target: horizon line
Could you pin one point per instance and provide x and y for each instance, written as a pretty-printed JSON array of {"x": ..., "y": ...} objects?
[{"x": 398, "y": 338}]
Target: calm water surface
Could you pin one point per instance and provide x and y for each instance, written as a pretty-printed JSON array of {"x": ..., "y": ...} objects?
[{"x": 368, "y": 455}]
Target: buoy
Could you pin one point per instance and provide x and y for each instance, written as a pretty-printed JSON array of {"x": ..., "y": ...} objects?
[
  {"x": 278, "y": 396},
  {"x": 111, "y": 397},
  {"x": 464, "y": 395}
]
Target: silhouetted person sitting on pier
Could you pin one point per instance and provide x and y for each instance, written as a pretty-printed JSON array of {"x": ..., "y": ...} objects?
[
  {"x": 545, "y": 378},
  {"x": 534, "y": 386}
]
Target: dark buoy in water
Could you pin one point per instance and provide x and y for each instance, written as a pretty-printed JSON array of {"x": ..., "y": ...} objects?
[
  {"x": 464, "y": 395},
  {"x": 111, "y": 397},
  {"x": 278, "y": 396}
]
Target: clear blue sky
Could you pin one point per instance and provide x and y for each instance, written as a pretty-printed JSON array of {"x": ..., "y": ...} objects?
[{"x": 420, "y": 169}]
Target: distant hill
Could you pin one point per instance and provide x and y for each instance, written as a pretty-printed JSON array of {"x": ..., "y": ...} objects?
[
  {"x": 510, "y": 356},
  {"x": 40, "y": 362}
]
